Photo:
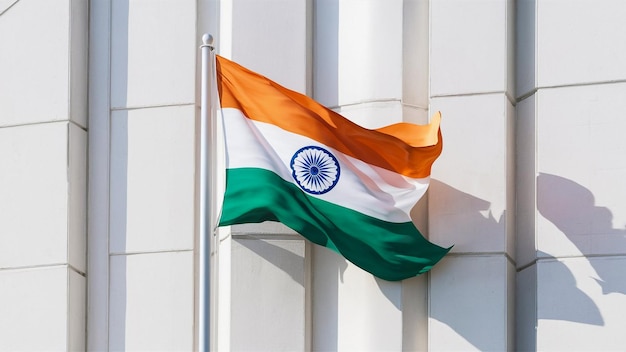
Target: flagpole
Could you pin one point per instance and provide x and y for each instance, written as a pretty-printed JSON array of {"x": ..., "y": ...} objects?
[{"x": 206, "y": 179}]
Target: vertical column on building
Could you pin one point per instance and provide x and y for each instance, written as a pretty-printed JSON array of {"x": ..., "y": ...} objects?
[
  {"x": 264, "y": 275},
  {"x": 143, "y": 76},
  {"x": 571, "y": 170},
  {"x": 471, "y": 199},
  {"x": 415, "y": 109},
  {"x": 358, "y": 71},
  {"x": 43, "y": 166}
]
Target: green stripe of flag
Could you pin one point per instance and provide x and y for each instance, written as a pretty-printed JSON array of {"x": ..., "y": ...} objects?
[{"x": 391, "y": 251}]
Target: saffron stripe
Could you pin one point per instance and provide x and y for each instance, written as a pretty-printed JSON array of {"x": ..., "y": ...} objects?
[{"x": 404, "y": 148}]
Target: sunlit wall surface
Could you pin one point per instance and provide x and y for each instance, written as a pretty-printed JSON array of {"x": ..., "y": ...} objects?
[{"x": 98, "y": 174}]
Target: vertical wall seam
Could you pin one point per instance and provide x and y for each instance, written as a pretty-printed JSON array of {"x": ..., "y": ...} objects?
[{"x": 98, "y": 104}]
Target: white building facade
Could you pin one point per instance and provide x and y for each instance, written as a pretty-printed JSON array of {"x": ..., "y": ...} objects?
[{"x": 99, "y": 116}]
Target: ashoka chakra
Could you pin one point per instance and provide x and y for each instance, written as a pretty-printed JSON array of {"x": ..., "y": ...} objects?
[{"x": 315, "y": 169}]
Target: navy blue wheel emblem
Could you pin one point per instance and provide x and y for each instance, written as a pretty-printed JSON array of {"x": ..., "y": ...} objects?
[{"x": 315, "y": 169}]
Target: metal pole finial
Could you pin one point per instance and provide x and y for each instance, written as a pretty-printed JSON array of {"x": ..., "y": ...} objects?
[{"x": 207, "y": 41}]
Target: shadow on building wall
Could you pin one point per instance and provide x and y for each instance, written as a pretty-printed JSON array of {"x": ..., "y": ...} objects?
[
  {"x": 119, "y": 152},
  {"x": 118, "y": 218},
  {"x": 455, "y": 211},
  {"x": 571, "y": 208},
  {"x": 283, "y": 259}
]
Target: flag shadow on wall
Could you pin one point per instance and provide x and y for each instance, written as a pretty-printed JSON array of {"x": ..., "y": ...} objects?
[
  {"x": 571, "y": 208},
  {"x": 453, "y": 212}
]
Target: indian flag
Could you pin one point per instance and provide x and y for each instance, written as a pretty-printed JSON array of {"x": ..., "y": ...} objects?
[{"x": 351, "y": 189}]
